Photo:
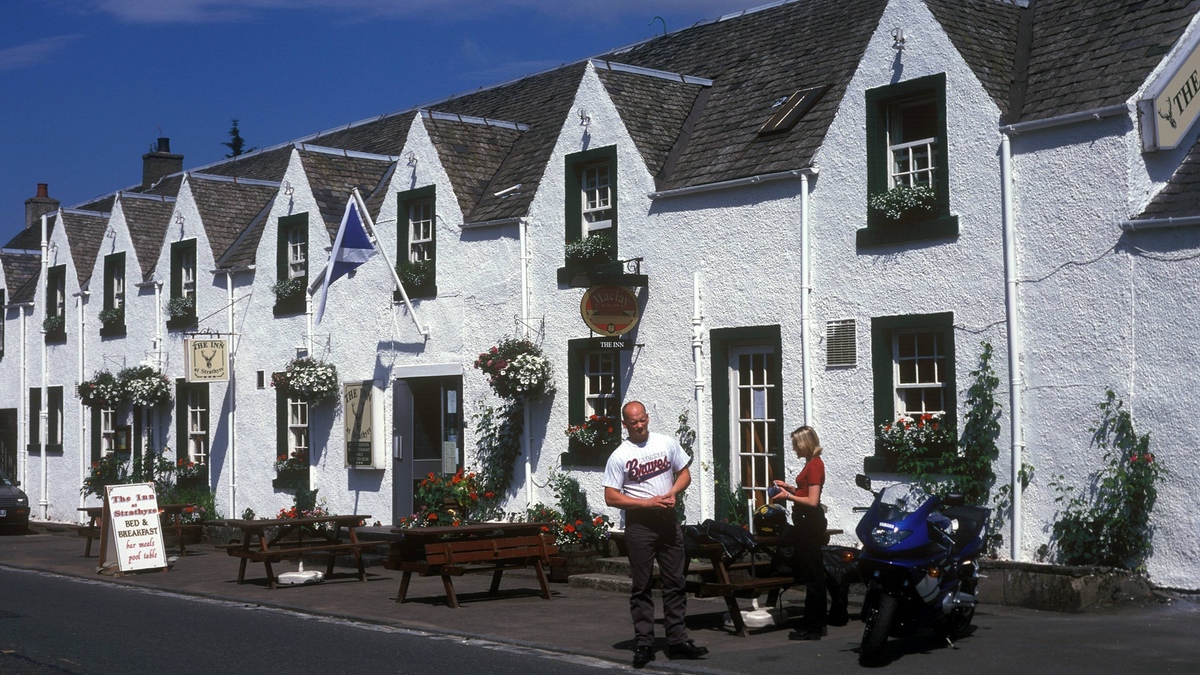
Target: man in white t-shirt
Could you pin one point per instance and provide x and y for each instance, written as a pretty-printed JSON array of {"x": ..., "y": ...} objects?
[{"x": 643, "y": 477}]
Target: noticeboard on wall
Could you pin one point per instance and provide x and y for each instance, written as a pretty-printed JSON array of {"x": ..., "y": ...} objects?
[{"x": 362, "y": 406}]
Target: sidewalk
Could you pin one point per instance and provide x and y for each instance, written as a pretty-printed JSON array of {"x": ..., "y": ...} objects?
[{"x": 578, "y": 621}]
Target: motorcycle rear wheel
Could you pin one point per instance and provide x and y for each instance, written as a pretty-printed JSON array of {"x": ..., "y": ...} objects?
[{"x": 875, "y": 635}]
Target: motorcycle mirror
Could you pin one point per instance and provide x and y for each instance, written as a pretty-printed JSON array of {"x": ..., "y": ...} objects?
[{"x": 863, "y": 481}]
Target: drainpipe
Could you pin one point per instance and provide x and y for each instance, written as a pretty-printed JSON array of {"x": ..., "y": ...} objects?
[
  {"x": 44, "y": 408},
  {"x": 83, "y": 420},
  {"x": 231, "y": 397},
  {"x": 698, "y": 390},
  {"x": 526, "y": 441},
  {"x": 805, "y": 308},
  {"x": 1013, "y": 328},
  {"x": 23, "y": 399},
  {"x": 158, "y": 324}
]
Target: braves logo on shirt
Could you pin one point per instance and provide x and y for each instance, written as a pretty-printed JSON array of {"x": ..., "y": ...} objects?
[{"x": 637, "y": 472}]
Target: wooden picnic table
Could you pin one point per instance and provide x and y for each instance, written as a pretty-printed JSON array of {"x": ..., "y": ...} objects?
[
  {"x": 278, "y": 539},
  {"x": 171, "y": 520},
  {"x": 717, "y": 578},
  {"x": 477, "y": 547}
]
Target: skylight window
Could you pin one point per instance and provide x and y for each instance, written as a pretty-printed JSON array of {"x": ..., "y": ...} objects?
[{"x": 791, "y": 109}]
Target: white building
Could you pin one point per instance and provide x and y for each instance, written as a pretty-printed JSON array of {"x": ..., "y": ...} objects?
[{"x": 732, "y": 164}]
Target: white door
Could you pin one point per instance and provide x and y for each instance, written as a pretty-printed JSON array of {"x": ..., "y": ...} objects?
[{"x": 753, "y": 423}]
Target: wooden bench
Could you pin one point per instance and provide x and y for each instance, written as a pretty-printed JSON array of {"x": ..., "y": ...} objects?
[
  {"x": 275, "y": 540},
  {"x": 491, "y": 554}
]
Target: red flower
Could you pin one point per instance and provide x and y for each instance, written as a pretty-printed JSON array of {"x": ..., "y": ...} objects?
[
  {"x": 1133, "y": 459},
  {"x": 489, "y": 494},
  {"x": 578, "y": 522},
  {"x": 433, "y": 516},
  {"x": 568, "y": 528},
  {"x": 474, "y": 496},
  {"x": 598, "y": 520}
]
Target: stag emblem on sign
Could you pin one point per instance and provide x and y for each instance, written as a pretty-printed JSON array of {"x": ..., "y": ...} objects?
[
  {"x": 1170, "y": 116},
  {"x": 208, "y": 357}
]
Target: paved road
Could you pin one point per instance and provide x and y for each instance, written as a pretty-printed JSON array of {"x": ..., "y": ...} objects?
[{"x": 53, "y": 624}]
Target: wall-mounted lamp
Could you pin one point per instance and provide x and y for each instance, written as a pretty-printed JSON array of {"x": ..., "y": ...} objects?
[
  {"x": 584, "y": 118},
  {"x": 411, "y": 158},
  {"x": 178, "y": 218},
  {"x": 898, "y": 38},
  {"x": 287, "y": 188}
]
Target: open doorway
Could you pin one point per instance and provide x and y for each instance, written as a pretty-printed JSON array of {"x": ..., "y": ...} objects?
[{"x": 427, "y": 435}]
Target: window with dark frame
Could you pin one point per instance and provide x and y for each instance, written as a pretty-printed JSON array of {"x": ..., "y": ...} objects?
[
  {"x": 908, "y": 184},
  {"x": 912, "y": 359},
  {"x": 291, "y": 265},
  {"x": 416, "y": 242},
  {"x": 592, "y": 204}
]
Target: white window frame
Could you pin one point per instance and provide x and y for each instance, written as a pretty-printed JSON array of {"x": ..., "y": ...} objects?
[
  {"x": 909, "y": 151},
  {"x": 596, "y": 197},
  {"x": 187, "y": 275},
  {"x": 197, "y": 434},
  {"x": 747, "y": 430},
  {"x": 297, "y": 248},
  {"x": 108, "y": 431},
  {"x": 118, "y": 287},
  {"x": 420, "y": 230},
  {"x": 297, "y": 421},
  {"x": 601, "y": 368},
  {"x": 913, "y": 383}
]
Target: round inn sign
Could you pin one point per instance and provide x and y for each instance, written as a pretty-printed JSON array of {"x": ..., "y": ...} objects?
[{"x": 609, "y": 310}]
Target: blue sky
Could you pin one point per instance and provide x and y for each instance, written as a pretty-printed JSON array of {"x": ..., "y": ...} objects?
[{"x": 87, "y": 85}]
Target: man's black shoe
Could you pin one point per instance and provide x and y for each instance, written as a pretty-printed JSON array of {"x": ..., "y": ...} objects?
[
  {"x": 808, "y": 634},
  {"x": 686, "y": 650},
  {"x": 642, "y": 655}
]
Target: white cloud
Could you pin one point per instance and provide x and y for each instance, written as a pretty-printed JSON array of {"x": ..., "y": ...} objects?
[{"x": 33, "y": 53}]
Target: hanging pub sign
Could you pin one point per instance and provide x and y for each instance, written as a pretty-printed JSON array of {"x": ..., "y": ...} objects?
[
  {"x": 609, "y": 310},
  {"x": 362, "y": 406},
  {"x": 206, "y": 359},
  {"x": 1172, "y": 103}
]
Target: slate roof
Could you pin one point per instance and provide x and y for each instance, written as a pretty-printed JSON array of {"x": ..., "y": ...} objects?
[
  {"x": 1088, "y": 55},
  {"x": 269, "y": 164},
  {"x": 540, "y": 101},
  {"x": 85, "y": 232},
  {"x": 147, "y": 221},
  {"x": 985, "y": 33},
  {"x": 471, "y": 153},
  {"x": 227, "y": 208},
  {"x": 332, "y": 177},
  {"x": 754, "y": 59},
  {"x": 20, "y": 274},
  {"x": 1180, "y": 197},
  {"x": 653, "y": 110},
  {"x": 30, "y": 238},
  {"x": 384, "y": 135}
]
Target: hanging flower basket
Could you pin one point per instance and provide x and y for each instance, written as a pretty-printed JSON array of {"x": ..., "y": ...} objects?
[
  {"x": 517, "y": 368},
  {"x": 103, "y": 390},
  {"x": 308, "y": 379},
  {"x": 597, "y": 433},
  {"x": 144, "y": 386}
]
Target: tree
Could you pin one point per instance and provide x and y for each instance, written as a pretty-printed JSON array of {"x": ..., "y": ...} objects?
[{"x": 236, "y": 144}]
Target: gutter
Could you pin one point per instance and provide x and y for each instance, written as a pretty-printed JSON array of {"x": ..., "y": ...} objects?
[
  {"x": 1072, "y": 118},
  {"x": 737, "y": 182},
  {"x": 1158, "y": 223},
  {"x": 491, "y": 223}
]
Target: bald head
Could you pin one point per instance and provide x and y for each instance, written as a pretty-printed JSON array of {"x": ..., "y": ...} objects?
[{"x": 636, "y": 421}]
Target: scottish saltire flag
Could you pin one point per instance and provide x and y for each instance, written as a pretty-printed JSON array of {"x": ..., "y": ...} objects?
[{"x": 351, "y": 248}]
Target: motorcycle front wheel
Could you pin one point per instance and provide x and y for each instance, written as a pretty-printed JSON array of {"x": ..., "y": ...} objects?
[{"x": 875, "y": 635}]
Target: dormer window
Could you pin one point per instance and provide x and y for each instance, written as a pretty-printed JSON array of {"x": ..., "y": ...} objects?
[
  {"x": 912, "y": 140},
  {"x": 416, "y": 242},
  {"x": 596, "y": 191},
  {"x": 591, "y": 208},
  {"x": 291, "y": 265}
]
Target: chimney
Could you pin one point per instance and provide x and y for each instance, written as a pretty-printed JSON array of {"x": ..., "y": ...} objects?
[
  {"x": 38, "y": 204},
  {"x": 160, "y": 163}
]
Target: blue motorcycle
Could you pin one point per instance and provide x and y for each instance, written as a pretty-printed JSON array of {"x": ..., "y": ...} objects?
[{"x": 919, "y": 564}]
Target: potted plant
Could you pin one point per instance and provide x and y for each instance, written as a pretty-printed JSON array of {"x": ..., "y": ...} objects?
[
  {"x": 516, "y": 368},
  {"x": 904, "y": 201},
  {"x": 922, "y": 437},
  {"x": 144, "y": 386},
  {"x": 416, "y": 275},
  {"x": 596, "y": 433},
  {"x": 53, "y": 323},
  {"x": 113, "y": 316},
  {"x": 285, "y": 289},
  {"x": 181, "y": 307},
  {"x": 590, "y": 251},
  {"x": 448, "y": 501},
  {"x": 308, "y": 379}
]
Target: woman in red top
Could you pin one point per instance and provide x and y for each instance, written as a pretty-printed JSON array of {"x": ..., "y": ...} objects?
[{"x": 808, "y": 531}]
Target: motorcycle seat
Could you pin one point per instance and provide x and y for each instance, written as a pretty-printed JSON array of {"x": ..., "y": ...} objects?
[{"x": 971, "y": 521}]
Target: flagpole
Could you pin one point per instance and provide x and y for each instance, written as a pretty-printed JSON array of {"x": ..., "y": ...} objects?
[{"x": 366, "y": 218}]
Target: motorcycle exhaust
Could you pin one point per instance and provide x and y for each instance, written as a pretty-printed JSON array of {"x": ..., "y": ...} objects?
[{"x": 953, "y": 601}]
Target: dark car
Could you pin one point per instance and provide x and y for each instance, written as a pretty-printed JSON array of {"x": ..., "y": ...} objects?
[{"x": 14, "y": 504}]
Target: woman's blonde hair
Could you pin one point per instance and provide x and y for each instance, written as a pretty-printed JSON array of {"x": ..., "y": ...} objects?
[{"x": 805, "y": 442}]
